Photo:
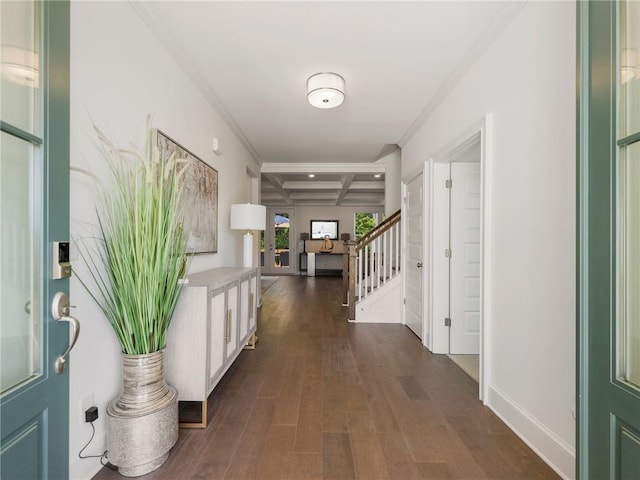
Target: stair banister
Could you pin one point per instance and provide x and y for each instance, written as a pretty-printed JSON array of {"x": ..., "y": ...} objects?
[
  {"x": 351, "y": 294},
  {"x": 369, "y": 263}
]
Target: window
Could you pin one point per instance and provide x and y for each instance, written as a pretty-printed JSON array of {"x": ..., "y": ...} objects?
[{"x": 364, "y": 223}]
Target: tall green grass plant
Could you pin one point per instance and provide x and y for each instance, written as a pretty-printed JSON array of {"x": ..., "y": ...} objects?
[{"x": 136, "y": 265}]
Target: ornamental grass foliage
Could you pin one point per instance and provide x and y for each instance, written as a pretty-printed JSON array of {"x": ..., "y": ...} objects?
[{"x": 141, "y": 251}]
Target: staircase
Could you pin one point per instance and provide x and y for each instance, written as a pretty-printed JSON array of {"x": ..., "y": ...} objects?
[{"x": 371, "y": 274}]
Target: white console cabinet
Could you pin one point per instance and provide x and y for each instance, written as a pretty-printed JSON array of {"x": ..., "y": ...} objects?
[{"x": 214, "y": 319}]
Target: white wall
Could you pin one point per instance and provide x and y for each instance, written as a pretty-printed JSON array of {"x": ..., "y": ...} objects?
[
  {"x": 119, "y": 74},
  {"x": 526, "y": 80},
  {"x": 392, "y": 182}
]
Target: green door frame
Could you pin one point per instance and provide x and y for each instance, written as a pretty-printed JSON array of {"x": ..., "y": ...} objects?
[
  {"x": 607, "y": 408},
  {"x": 595, "y": 130}
]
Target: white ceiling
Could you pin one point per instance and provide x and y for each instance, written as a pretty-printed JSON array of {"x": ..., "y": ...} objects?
[{"x": 252, "y": 60}]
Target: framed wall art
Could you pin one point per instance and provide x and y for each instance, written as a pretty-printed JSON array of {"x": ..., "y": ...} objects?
[{"x": 199, "y": 196}]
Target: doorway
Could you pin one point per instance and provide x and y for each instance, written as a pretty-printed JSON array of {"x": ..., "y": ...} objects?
[
  {"x": 278, "y": 247},
  {"x": 457, "y": 232}
]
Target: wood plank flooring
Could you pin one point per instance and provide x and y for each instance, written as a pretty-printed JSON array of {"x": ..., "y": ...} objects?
[{"x": 324, "y": 399}]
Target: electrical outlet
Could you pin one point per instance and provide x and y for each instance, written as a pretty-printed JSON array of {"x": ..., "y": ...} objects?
[
  {"x": 91, "y": 414},
  {"x": 87, "y": 402}
]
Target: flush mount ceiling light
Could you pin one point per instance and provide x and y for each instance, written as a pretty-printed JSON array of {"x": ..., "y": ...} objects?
[{"x": 325, "y": 90}]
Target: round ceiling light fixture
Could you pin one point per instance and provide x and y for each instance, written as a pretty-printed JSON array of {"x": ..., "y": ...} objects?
[
  {"x": 325, "y": 90},
  {"x": 20, "y": 65}
]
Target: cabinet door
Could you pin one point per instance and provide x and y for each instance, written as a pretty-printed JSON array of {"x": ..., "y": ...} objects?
[
  {"x": 187, "y": 355},
  {"x": 231, "y": 323},
  {"x": 245, "y": 311},
  {"x": 217, "y": 335}
]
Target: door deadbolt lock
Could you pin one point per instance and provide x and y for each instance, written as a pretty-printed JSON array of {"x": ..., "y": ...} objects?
[{"x": 61, "y": 267}]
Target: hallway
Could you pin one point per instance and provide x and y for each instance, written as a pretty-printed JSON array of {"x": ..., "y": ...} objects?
[{"x": 322, "y": 398}]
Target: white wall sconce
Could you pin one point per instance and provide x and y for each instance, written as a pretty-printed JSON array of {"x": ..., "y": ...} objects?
[{"x": 248, "y": 216}]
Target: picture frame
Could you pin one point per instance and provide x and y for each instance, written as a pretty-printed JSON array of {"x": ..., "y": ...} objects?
[
  {"x": 321, "y": 229},
  {"x": 199, "y": 195}
]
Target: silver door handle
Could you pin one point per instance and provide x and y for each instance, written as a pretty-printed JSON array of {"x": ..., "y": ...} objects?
[
  {"x": 60, "y": 311},
  {"x": 419, "y": 265}
]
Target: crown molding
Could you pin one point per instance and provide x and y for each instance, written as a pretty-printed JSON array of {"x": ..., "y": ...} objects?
[
  {"x": 472, "y": 56},
  {"x": 181, "y": 57}
]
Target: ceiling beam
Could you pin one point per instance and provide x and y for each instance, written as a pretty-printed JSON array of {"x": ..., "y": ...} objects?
[
  {"x": 274, "y": 180},
  {"x": 347, "y": 180},
  {"x": 314, "y": 196},
  {"x": 319, "y": 168},
  {"x": 304, "y": 185},
  {"x": 367, "y": 186}
]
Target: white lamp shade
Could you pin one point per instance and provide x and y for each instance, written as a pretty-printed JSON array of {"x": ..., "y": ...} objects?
[
  {"x": 325, "y": 90},
  {"x": 248, "y": 216}
]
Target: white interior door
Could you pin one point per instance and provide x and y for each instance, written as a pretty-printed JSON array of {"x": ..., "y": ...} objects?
[
  {"x": 279, "y": 253},
  {"x": 414, "y": 255},
  {"x": 464, "y": 262}
]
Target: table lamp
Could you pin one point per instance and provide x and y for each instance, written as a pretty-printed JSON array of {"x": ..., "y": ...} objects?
[
  {"x": 304, "y": 237},
  {"x": 247, "y": 216}
]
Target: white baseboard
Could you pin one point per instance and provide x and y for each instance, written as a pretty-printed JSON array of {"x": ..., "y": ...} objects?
[{"x": 560, "y": 456}]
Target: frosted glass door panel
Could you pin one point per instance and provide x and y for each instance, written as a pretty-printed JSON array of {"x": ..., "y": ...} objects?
[
  {"x": 19, "y": 324},
  {"x": 628, "y": 348},
  {"x": 20, "y": 65},
  {"x": 629, "y": 325}
]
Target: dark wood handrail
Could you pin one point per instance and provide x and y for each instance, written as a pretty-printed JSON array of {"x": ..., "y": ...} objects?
[
  {"x": 380, "y": 225},
  {"x": 378, "y": 231}
]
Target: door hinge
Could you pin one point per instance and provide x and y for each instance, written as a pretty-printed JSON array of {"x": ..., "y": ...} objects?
[
  {"x": 404, "y": 301},
  {"x": 447, "y": 253},
  {"x": 448, "y": 183},
  {"x": 447, "y": 322}
]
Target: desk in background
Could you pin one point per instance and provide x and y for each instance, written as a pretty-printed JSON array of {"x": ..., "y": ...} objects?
[{"x": 326, "y": 263}]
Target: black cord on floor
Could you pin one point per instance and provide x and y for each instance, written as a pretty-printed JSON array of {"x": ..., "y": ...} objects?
[{"x": 101, "y": 457}]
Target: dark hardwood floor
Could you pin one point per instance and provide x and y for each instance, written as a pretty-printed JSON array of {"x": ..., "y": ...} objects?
[{"x": 324, "y": 399}]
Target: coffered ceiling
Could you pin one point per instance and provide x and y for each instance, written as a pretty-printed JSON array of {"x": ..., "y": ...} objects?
[
  {"x": 328, "y": 184},
  {"x": 251, "y": 61}
]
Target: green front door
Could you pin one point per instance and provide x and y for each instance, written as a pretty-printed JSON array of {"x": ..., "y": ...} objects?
[
  {"x": 34, "y": 207},
  {"x": 609, "y": 240}
]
